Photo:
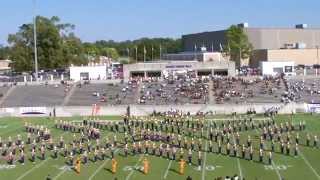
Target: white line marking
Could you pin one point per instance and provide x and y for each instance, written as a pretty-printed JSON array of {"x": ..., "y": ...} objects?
[
  {"x": 32, "y": 169},
  {"x": 272, "y": 162},
  {"x": 167, "y": 171},
  {"x": 60, "y": 173},
  {"x": 238, "y": 161},
  {"x": 307, "y": 162},
  {"x": 205, "y": 156},
  {"x": 130, "y": 174},
  {"x": 100, "y": 167},
  {"x": 277, "y": 171}
]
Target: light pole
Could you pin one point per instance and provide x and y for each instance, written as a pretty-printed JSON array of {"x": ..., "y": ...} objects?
[
  {"x": 240, "y": 58},
  {"x": 35, "y": 40},
  {"x": 317, "y": 54},
  {"x": 317, "y": 60},
  {"x": 136, "y": 49}
]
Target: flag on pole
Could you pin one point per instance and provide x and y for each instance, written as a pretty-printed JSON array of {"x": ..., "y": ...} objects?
[
  {"x": 160, "y": 50},
  {"x": 144, "y": 50},
  {"x": 221, "y": 48},
  {"x": 152, "y": 52},
  {"x": 144, "y": 53}
]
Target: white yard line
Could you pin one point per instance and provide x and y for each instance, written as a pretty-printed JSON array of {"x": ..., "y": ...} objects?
[
  {"x": 100, "y": 167},
  {"x": 273, "y": 164},
  {"x": 32, "y": 169},
  {"x": 205, "y": 157},
  {"x": 238, "y": 161},
  {"x": 60, "y": 173},
  {"x": 130, "y": 174},
  {"x": 309, "y": 165},
  {"x": 239, "y": 168},
  {"x": 167, "y": 171},
  {"x": 276, "y": 169}
]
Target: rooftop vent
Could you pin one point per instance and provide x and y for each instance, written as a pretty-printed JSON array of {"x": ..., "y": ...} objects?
[
  {"x": 301, "y": 26},
  {"x": 243, "y": 25}
]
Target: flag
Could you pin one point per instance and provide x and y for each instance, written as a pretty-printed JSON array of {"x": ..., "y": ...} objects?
[
  {"x": 221, "y": 48},
  {"x": 144, "y": 50},
  {"x": 136, "y": 48}
]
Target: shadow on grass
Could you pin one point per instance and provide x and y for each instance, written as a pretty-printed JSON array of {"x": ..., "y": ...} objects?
[{"x": 174, "y": 170}]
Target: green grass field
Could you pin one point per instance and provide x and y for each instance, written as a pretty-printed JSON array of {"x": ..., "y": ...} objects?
[{"x": 305, "y": 166}]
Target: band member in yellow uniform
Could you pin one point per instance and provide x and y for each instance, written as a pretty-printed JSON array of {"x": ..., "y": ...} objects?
[
  {"x": 114, "y": 164},
  {"x": 145, "y": 166},
  {"x": 182, "y": 164},
  {"x": 78, "y": 164}
]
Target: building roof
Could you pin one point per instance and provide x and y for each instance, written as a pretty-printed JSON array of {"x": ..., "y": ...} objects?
[{"x": 257, "y": 28}]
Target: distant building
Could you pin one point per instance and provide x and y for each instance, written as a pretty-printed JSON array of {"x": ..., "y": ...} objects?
[
  {"x": 306, "y": 57},
  {"x": 163, "y": 68},
  {"x": 264, "y": 40},
  {"x": 90, "y": 72},
  {"x": 277, "y": 68},
  {"x": 5, "y": 65},
  {"x": 194, "y": 56}
]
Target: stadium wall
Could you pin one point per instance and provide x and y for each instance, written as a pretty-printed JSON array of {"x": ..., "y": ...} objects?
[{"x": 142, "y": 110}]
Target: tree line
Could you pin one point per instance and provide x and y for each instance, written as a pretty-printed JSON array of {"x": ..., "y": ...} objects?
[{"x": 59, "y": 47}]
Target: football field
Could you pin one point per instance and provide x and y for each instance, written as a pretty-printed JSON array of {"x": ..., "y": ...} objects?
[{"x": 306, "y": 165}]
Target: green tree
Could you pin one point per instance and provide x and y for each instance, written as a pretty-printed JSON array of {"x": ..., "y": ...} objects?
[
  {"x": 238, "y": 46},
  {"x": 4, "y": 52},
  {"x": 110, "y": 52},
  {"x": 57, "y": 45}
]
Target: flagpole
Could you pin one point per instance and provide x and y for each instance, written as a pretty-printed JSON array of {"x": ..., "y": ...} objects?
[
  {"x": 152, "y": 53},
  {"x": 144, "y": 54},
  {"x": 35, "y": 40},
  {"x": 136, "y": 48},
  {"x": 160, "y": 51}
]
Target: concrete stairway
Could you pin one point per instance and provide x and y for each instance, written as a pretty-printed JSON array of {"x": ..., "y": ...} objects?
[
  {"x": 68, "y": 96},
  {"x": 5, "y": 96}
]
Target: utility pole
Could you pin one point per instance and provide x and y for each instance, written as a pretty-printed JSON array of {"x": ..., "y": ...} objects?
[
  {"x": 35, "y": 40},
  {"x": 317, "y": 68}
]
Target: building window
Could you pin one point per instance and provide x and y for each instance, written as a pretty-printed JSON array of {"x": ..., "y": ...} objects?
[{"x": 288, "y": 69}]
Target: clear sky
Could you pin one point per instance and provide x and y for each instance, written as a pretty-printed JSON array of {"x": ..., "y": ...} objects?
[{"x": 132, "y": 19}]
